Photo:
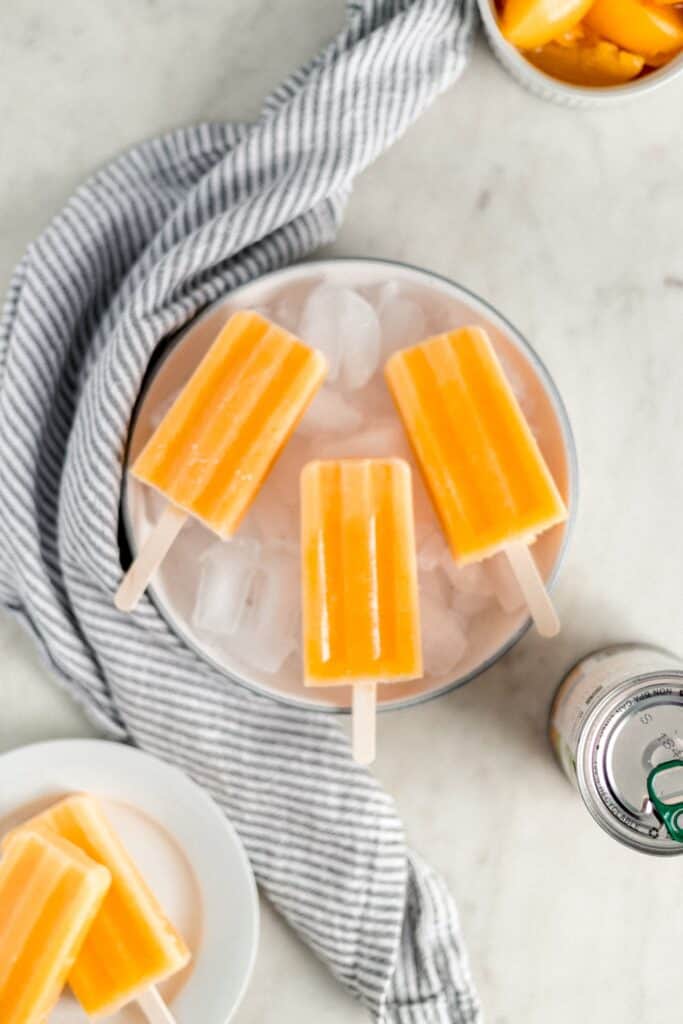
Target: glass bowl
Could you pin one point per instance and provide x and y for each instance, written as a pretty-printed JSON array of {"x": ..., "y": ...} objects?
[{"x": 447, "y": 305}]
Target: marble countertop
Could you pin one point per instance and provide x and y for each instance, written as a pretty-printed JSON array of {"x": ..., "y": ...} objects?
[{"x": 570, "y": 223}]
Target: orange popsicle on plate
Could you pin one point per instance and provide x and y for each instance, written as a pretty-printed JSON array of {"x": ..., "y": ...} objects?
[
  {"x": 485, "y": 472},
  {"x": 211, "y": 452},
  {"x": 132, "y": 945},
  {"x": 359, "y": 582},
  {"x": 50, "y": 893}
]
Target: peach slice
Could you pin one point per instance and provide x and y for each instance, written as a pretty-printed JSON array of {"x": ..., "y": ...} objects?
[
  {"x": 591, "y": 64},
  {"x": 531, "y": 23},
  {"x": 637, "y": 26}
]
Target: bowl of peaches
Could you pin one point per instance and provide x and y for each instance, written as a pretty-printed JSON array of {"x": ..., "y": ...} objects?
[{"x": 587, "y": 52}]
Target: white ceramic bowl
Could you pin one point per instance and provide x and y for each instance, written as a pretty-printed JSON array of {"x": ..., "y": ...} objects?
[
  {"x": 449, "y": 306},
  {"x": 569, "y": 95}
]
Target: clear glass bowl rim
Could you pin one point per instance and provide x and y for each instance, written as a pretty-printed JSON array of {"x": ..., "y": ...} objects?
[{"x": 459, "y": 291}]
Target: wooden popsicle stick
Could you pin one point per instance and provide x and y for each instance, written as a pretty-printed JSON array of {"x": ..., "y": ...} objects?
[
  {"x": 364, "y": 724},
  {"x": 150, "y": 557},
  {"x": 154, "y": 1008},
  {"x": 532, "y": 586}
]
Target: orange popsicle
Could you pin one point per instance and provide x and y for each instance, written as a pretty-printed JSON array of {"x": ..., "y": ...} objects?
[
  {"x": 359, "y": 581},
  {"x": 211, "y": 452},
  {"x": 487, "y": 477},
  {"x": 131, "y": 945},
  {"x": 50, "y": 893}
]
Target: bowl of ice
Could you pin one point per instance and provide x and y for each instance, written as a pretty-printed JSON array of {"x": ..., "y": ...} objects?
[{"x": 237, "y": 602}]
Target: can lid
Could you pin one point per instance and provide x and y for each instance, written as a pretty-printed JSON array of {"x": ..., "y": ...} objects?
[
  {"x": 666, "y": 808},
  {"x": 630, "y": 763},
  {"x": 644, "y": 734}
]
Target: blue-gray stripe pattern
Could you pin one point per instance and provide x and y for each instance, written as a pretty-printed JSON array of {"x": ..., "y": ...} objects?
[{"x": 139, "y": 250}]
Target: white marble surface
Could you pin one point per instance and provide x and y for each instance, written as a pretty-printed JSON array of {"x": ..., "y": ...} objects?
[{"x": 571, "y": 224}]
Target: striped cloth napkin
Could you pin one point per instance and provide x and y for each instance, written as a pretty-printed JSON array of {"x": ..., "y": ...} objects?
[{"x": 138, "y": 251}]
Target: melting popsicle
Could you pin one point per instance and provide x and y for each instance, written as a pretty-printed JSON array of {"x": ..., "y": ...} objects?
[
  {"x": 211, "y": 452},
  {"x": 485, "y": 472},
  {"x": 50, "y": 893},
  {"x": 131, "y": 946},
  {"x": 359, "y": 582}
]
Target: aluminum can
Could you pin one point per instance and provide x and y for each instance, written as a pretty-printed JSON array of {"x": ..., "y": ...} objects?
[{"x": 616, "y": 726}]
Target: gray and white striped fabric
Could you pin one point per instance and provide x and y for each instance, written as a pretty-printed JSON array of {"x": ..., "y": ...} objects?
[{"x": 138, "y": 251}]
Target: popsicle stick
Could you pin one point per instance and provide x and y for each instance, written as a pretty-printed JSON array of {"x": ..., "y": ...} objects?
[
  {"x": 532, "y": 586},
  {"x": 154, "y": 1008},
  {"x": 364, "y": 722},
  {"x": 149, "y": 558}
]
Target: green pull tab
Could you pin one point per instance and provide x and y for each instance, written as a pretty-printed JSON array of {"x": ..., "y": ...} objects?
[{"x": 670, "y": 814}]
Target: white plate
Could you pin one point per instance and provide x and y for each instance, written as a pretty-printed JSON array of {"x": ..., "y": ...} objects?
[{"x": 187, "y": 850}]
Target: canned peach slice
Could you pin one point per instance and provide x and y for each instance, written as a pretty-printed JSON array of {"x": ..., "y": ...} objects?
[
  {"x": 531, "y": 23},
  {"x": 639, "y": 27}
]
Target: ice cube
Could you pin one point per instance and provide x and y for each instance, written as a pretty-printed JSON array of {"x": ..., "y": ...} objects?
[
  {"x": 468, "y": 604},
  {"x": 363, "y": 344},
  {"x": 195, "y": 539},
  {"x": 505, "y": 586},
  {"x": 434, "y": 583},
  {"x": 269, "y": 628},
  {"x": 345, "y": 328},
  {"x": 287, "y": 304},
  {"x": 469, "y": 579},
  {"x": 227, "y": 571},
  {"x": 382, "y": 439},
  {"x": 374, "y": 400},
  {"x": 287, "y": 312},
  {"x": 443, "y": 636},
  {"x": 283, "y": 479},
  {"x": 472, "y": 587},
  {"x": 319, "y": 325},
  {"x": 402, "y": 320},
  {"x": 248, "y": 529},
  {"x": 275, "y": 518},
  {"x": 329, "y": 413}
]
